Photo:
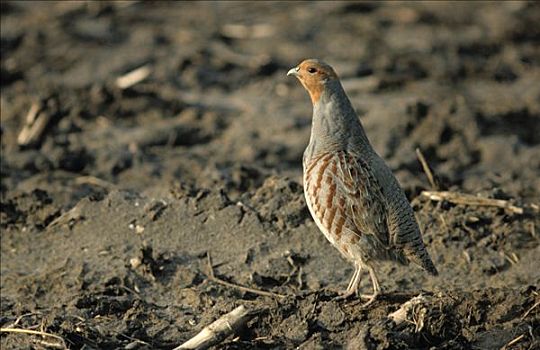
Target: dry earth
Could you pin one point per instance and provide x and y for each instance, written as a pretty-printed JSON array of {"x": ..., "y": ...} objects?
[{"x": 108, "y": 217}]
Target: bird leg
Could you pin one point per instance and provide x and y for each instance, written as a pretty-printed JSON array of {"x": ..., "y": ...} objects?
[
  {"x": 353, "y": 284},
  {"x": 376, "y": 288}
]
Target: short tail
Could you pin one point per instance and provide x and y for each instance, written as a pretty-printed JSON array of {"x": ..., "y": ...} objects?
[
  {"x": 429, "y": 266},
  {"x": 421, "y": 257}
]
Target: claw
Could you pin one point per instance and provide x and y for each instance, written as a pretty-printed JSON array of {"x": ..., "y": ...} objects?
[
  {"x": 352, "y": 289},
  {"x": 370, "y": 298},
  {"x": 376, "y": 289},
  {"x": 346, "y": 294}
]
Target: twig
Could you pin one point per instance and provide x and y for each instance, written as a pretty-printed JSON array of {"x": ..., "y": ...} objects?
[
  {"x": 92, "y": 180},
  {"x": 18, "y": 319},
  {"x": 467, "y": 256},
  {"x": 35, "y": 124},
  {"x": 427, "y": 169},
  {"x": 212, "y": 277},
  {"x": 529, "y": 311},
  {"x": 134, "y": 340},
  {"x": 52, "y": 345},
  {"x": 512, "y": 259},
  {"x": 219, "y": 330},
  {"x": 445, "y": 225},
  {"x": 32, "y": 113},
  {"x": 28, "y": 331},
  {"x": 512, "y": 342},
  {"x": 135, "y": 76},
  {"x": 468, "y": 199}
]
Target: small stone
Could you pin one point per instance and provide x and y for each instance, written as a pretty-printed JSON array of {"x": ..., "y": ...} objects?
[{"x": 135, "y": 262}]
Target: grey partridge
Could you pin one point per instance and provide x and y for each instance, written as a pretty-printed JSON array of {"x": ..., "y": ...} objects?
[{"x": 351, "y": 193}]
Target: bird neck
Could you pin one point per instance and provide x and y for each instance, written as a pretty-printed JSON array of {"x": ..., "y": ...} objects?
[{"x": 335, "y": 124}]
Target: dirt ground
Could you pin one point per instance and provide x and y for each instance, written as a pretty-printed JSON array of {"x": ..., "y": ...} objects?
[{"x": 109, "y": 215}]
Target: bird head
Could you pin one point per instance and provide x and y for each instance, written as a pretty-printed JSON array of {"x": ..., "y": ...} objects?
[{"x": 314, "y": 76}]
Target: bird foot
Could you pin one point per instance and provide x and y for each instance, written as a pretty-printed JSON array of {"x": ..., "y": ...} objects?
[
  {"x": 345, "y": 294},
  {"x": 370, "y": 298}
]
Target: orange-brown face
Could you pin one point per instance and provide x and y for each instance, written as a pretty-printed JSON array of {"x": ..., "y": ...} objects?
[{"x": 313, "y": 74}]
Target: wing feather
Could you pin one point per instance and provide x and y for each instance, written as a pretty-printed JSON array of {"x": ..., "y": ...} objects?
[{"x": 365, "y": 200}]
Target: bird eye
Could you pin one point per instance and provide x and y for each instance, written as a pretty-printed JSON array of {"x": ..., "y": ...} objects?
[{"x": 312, "y": 70}]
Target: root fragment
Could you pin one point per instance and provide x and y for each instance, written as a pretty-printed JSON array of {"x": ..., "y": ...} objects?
[{"x": 219, "y": 330}]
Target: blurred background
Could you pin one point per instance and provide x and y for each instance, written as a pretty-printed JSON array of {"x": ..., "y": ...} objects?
[
  {"x": 136, "y": 136},
  {"x": 209, "y": 88}
]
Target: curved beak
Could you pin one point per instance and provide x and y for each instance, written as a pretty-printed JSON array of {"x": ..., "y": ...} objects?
[{"x": 293, "y": 71}]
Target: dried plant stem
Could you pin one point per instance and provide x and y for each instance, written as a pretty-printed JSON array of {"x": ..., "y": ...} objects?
[
  {"x": 34, "y": 127},
  {"x": 427, "y": 169},
  {"x": 513, "y": 341},
  {"x": 92, "y": 180},
  {"x": 29, "y": 331},
  {"x": 135, "y": 76},
  {"x": 531, "y": 309},
  {"x": 212, "y": 277},
  {"x": 468, "y": 199},
  {"x": 218, "y": 330}
]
